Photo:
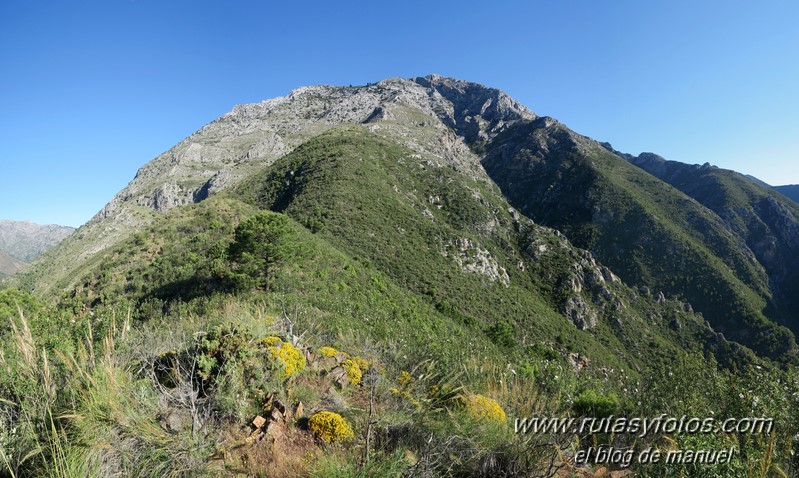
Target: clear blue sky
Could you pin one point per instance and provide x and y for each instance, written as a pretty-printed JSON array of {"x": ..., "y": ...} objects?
[{"x": 92, "y": 90}]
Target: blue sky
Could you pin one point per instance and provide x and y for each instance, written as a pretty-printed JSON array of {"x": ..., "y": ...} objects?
[{"x": 92, "y": 90}]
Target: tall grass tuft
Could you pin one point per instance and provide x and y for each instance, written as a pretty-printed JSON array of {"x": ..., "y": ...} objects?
[{"x": 85, "y": 415}]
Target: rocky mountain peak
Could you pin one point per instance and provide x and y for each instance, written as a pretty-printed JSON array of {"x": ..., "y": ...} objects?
[
  {"x": 252, "y": 136},
  {"x": 477, "y": 112}
]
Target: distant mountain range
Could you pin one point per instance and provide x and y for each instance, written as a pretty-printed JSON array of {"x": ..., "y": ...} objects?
[
  {"x": 790, "y": 191},
  {"x": 21, "y": 242}
]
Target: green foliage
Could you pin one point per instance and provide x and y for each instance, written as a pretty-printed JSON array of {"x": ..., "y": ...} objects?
[
  {"x": 501, "y": 334},
  {"x": 592, "y": 404},
  {"x": 352, "y": 259},
  {"x": 646, "y": 231},
  {"x": 261, "y": 245}
]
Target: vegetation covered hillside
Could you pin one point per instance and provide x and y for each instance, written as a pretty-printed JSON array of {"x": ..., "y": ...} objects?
[
  {"x": 372, "y": 302},
  {"x": 765, "y": 220},
  {"x": 650, "y": 233},
  {"x": 790, "y": 191}
]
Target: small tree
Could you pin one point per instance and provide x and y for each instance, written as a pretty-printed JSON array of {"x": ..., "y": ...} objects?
[{"x": 261, "y": 244}]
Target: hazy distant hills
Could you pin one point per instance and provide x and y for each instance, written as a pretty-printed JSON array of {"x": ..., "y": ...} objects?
[
  {"x": 723, "y": 246},
  {"x": 790, "y": 191},
  {"x": 21, "y": 242},
  {"x": 9, "y": 265}
]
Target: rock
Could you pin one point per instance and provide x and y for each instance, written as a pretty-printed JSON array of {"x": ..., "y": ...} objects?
[
  {"x": 258, "y": 421},
  {"x": 340, "y": 376},
  {"x": 176, "y": 420},
  {"x": 595, "y": 277},
  {"x": 471, "y": 257},
  {"x": 609, "y": 275},
  {"x": 621, "y": 474},
  {"x": 582, "y": 315},
  {"x": 276, "y": 415},
  {"x": 299, "y": 411},
  {"x": 276, "y": 431}
]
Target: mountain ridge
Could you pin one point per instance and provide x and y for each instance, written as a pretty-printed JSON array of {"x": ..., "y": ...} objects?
[
  {"x": 389, "y": 255},
  {"x": 483, "y": 132},
  {"x": 26, "y": 240}
]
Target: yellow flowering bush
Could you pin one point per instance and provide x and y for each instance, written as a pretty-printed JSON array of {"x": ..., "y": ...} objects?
[
  {"x": 272, "y": 340},
  {"x": 330, "y": 427},
  {"x": 353, "y": 371},
  {"x": 482, "y": 407},
  {"x": 363, "y": 364},
  {"x": 289, "y": 357},
  {"x": 328, "y": 351},
  {"x": 404, "y": 378}
]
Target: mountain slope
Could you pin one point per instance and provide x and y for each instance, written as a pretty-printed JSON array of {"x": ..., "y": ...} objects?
[
  {"x": 25, "y": 241},
  {"x": 391, "y": 255},
  {"x": 423, "y": 234},
  {"x": 765, "y": 220},
  {"x": 243, "y": 141},
  {"x": 648, "y": 232},
  {"x": 444, "y": 235},
  {"x": 790, "y": 191},
  {"x": 9, "y": 265}
]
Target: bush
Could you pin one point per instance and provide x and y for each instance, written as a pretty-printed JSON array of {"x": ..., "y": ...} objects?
[
  {"x": 353, "y": 371},
  {"x": 590, "y": 403},
  {"x": 290, "y": 359},
  {"x": 330, "y": 427},
  {"x": 482, "y": 407},
  {"x": 260, "y": 246},
  {"x": 328, "y": 351}
]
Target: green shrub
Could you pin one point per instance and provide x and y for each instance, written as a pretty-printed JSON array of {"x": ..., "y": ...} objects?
[
  {"x": 592, "y": 404},
  {"x": 261, "y": 245}
]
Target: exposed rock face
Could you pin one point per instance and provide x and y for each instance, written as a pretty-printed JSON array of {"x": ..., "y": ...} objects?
[
  {"x": 580, "y": 313},
  {"x": 25, "y": 241},
  {"x": 475, "y": 112},
  {"x": 252, "y": 136},
  {"x": 589, "y": 292},
  {"x": 471, "y": 257}
]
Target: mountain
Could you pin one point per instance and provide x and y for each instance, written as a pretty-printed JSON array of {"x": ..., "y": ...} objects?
[
  {"x": 9, "y": 265},
  {"x": 650, "y": 233},
  {"x": 765, "y": 220},
  {"x": 790, "y": 191},
  {"x": 455, "y": 244},
  {"x": 22, "y": 242}
]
